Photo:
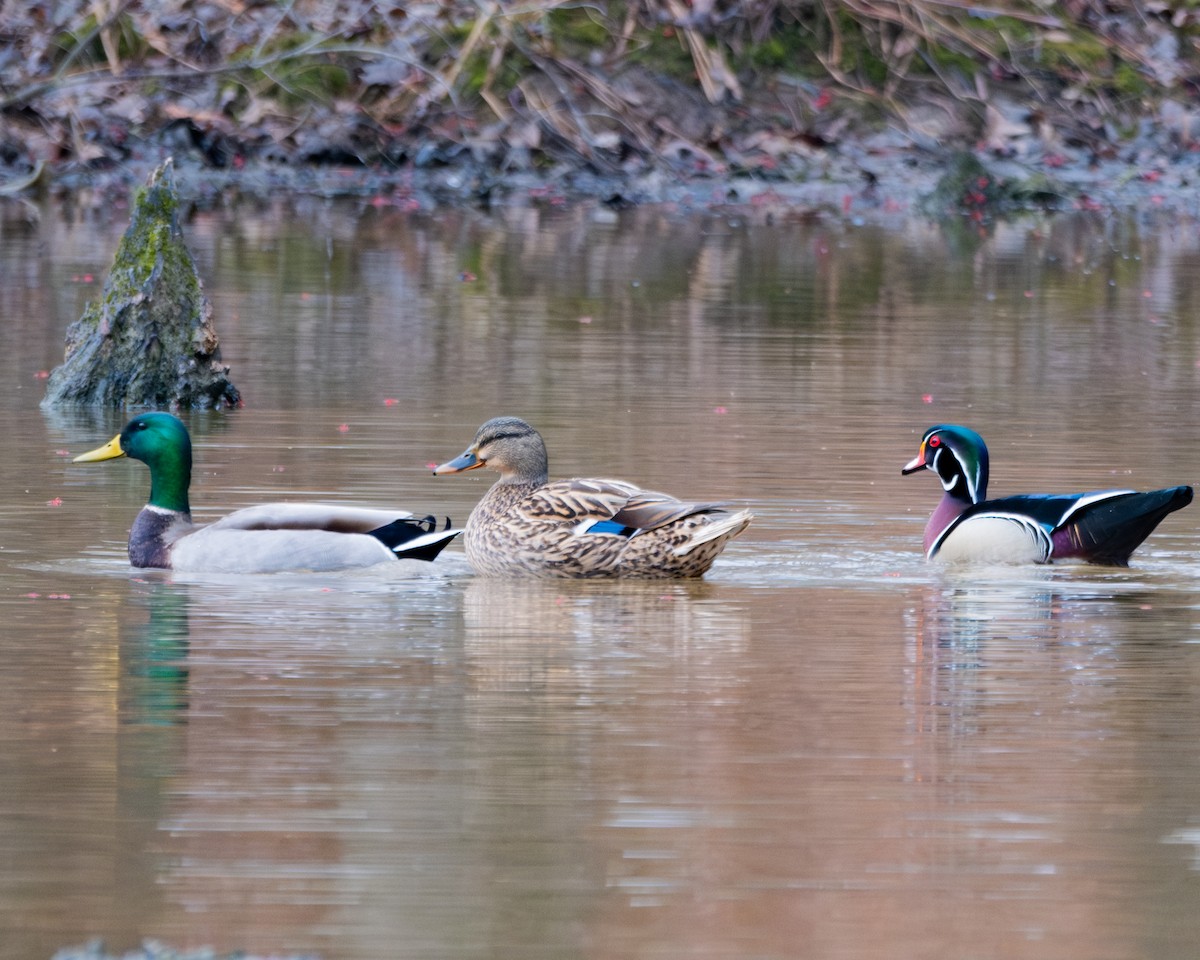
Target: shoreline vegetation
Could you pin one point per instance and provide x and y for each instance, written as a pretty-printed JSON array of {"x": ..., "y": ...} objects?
[{"x": 838, "y": 105}]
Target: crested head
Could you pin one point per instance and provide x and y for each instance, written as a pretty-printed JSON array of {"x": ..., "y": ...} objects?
[
  {"x": 162, "y": 443},
  {"x": 958, "y": 456}
]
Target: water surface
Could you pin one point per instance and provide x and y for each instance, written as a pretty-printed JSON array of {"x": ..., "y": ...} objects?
[{"x": 827, "y": 748}]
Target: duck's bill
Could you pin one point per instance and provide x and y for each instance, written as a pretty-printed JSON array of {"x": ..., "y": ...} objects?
[
  {"x": 468, "y": 461},
  {"x": 915, "y": 464},
  {"x": 110, "y": 451}
]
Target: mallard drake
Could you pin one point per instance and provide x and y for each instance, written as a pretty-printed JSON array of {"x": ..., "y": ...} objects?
[
  {"x": 268, "y": 538},
  {"x": 529, "y": 526},
  {"x": 1103, "y": 526}
]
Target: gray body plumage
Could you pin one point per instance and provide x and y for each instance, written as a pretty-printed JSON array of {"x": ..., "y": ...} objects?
[{"x": 268, "y": 538}]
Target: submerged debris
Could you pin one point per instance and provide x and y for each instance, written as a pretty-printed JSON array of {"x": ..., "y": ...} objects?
[
  {"x": 153, "y": 950},
  {"x": 149, "y": 340}
]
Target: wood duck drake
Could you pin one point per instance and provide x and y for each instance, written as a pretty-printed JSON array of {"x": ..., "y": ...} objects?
[
  {"x": 527, "y": 525},
  {"x": 268, "y": 538},
  {"x": 1102, "y": 527}
]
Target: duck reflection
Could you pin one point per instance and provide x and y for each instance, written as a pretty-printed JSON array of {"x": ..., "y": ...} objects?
[
  {"x": 152, "y": 713},
  {"x": 153, "y": 656},
  {"x": 520, "y": 630},
  {"x": 960, "y": 617},
  {"x": 1009, "y": 651}
]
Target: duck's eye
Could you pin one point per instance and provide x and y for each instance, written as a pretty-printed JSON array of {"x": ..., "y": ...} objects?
[{"x": 935, "y": 441}]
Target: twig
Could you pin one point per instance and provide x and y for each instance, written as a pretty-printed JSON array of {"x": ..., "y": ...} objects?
[
  {"x": 468, "y": 47},
  {"x": 99, "y": 76}
]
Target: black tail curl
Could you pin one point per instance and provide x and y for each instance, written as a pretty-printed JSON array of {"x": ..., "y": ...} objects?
[{"x": 415, "y": 539}]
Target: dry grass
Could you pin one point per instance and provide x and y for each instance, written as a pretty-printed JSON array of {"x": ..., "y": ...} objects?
[{"x": 537, "y": 81}]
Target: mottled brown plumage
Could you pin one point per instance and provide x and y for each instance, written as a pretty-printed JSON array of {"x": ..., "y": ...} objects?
[{"x": 529, "y": 526}]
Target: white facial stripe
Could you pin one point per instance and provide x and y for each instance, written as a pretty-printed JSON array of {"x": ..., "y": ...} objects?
[
  {"x": 947, "y": 485},
  {"x": 972, "y": 484}
]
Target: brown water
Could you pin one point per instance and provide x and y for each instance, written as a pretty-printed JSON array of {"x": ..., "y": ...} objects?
[{"x": 826, "y": 749}]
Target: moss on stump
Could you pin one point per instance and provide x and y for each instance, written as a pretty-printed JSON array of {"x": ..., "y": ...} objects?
[{"x": 149, "y": 341}]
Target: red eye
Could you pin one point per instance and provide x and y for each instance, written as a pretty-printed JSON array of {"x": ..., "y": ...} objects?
[{"x": 935, "y": 441}]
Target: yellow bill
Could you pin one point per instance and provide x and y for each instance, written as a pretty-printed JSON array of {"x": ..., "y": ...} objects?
[{"x": 109, "y": 451}]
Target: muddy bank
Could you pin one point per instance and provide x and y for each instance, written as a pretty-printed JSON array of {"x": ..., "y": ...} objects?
[
  {"x": 868, "y": 173},
  {"x": 771, "y": 104},
  {"x": 877, "y": 179}
]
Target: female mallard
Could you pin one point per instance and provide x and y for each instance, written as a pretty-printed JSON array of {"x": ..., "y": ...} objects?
[
  {"x": 527, "y": 525},
  {"x": 1103, "y": 526},
  {"x": 263, "y": 539}
]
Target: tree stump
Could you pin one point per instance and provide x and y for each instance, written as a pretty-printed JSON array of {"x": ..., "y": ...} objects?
[{"x": 149, "y": 341}]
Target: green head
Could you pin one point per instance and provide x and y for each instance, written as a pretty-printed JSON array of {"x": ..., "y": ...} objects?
[{"x": 162, "y": 443}]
